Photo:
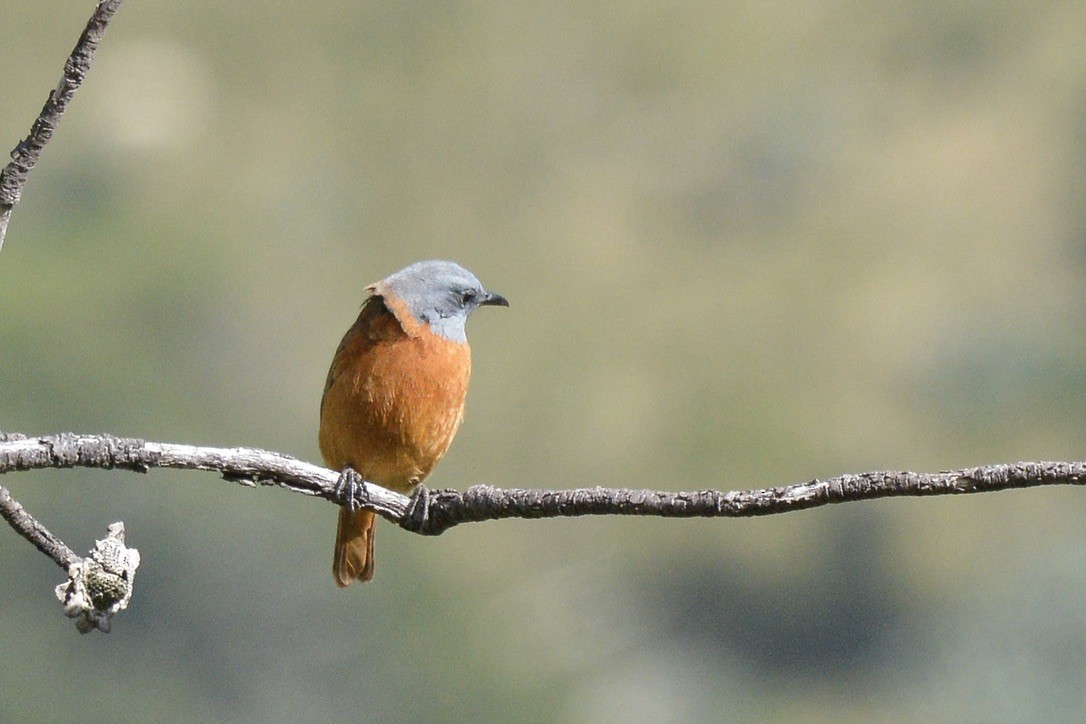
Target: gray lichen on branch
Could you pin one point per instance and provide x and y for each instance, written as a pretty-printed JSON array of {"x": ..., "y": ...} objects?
[{"x": 100, "y": 585}]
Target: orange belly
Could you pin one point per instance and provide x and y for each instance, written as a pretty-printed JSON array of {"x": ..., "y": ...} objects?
[{"x": 394, "y": 399}]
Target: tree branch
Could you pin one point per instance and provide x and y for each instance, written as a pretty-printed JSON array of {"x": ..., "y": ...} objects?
[
  {"x": 29, "y": 528},
  {"x": 100, "y": 585},
  {"x": 431, "y": 512},
  {"x": 26, "y": 153}
]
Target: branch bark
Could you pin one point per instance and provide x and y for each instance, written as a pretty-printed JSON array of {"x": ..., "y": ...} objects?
[
  {"x": 26, "y": 526},
  {"x": 100, "y": 585},
  {"x": 25, "y": 155},
  {"x": 431, "y": 512}
]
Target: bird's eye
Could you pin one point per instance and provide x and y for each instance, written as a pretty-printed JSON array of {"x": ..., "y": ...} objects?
[{"x": 467, "y": 296}]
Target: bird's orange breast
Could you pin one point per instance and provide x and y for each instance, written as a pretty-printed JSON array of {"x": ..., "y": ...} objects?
[{"x": 394, "y": 397}]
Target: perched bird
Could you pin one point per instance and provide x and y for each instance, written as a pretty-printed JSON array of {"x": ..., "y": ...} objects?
[{"x": 394, "y": 396}]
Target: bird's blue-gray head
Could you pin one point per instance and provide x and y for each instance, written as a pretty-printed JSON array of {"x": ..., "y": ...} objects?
[{"x": 441, "y": 294}]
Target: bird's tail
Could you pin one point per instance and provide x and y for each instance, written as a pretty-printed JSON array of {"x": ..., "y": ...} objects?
[{"x": 354, "y": 546}]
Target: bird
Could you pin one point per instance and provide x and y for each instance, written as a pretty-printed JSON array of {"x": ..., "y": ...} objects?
[{"x": 395, "y": 392}]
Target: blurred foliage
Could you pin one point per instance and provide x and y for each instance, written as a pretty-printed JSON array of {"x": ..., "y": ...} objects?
[{"x": 746, "y": 244}]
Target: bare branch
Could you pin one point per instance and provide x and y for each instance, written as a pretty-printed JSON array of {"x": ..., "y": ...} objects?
[
  {"x": 433, "y": 512},
  {"x": 26, "y": 154},
  {"x": 247, "y": 466},
  {"x": 29, "y": 528}
]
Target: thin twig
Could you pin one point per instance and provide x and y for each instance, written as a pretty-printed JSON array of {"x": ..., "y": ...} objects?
[
  {"x": 29, "y": 528},
  {"x": 26, "y": 153},
  {"x": 433, "y": 512}
]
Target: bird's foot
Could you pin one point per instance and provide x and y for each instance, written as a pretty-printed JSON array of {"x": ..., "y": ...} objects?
[
  {"x": 418, "y": 509},
  {"x": 347, "y": 488}
]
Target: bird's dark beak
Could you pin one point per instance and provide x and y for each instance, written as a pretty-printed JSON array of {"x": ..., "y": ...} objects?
[{"x": 493, "y": 300}]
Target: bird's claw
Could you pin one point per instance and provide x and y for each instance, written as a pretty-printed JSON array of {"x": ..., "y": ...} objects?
[
  {"x": 418, "y": 509},
  {"x": 347, "y": 488}
]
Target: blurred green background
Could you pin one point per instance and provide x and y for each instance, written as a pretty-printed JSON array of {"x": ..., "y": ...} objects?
[{"x": 746, "y": 244}]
